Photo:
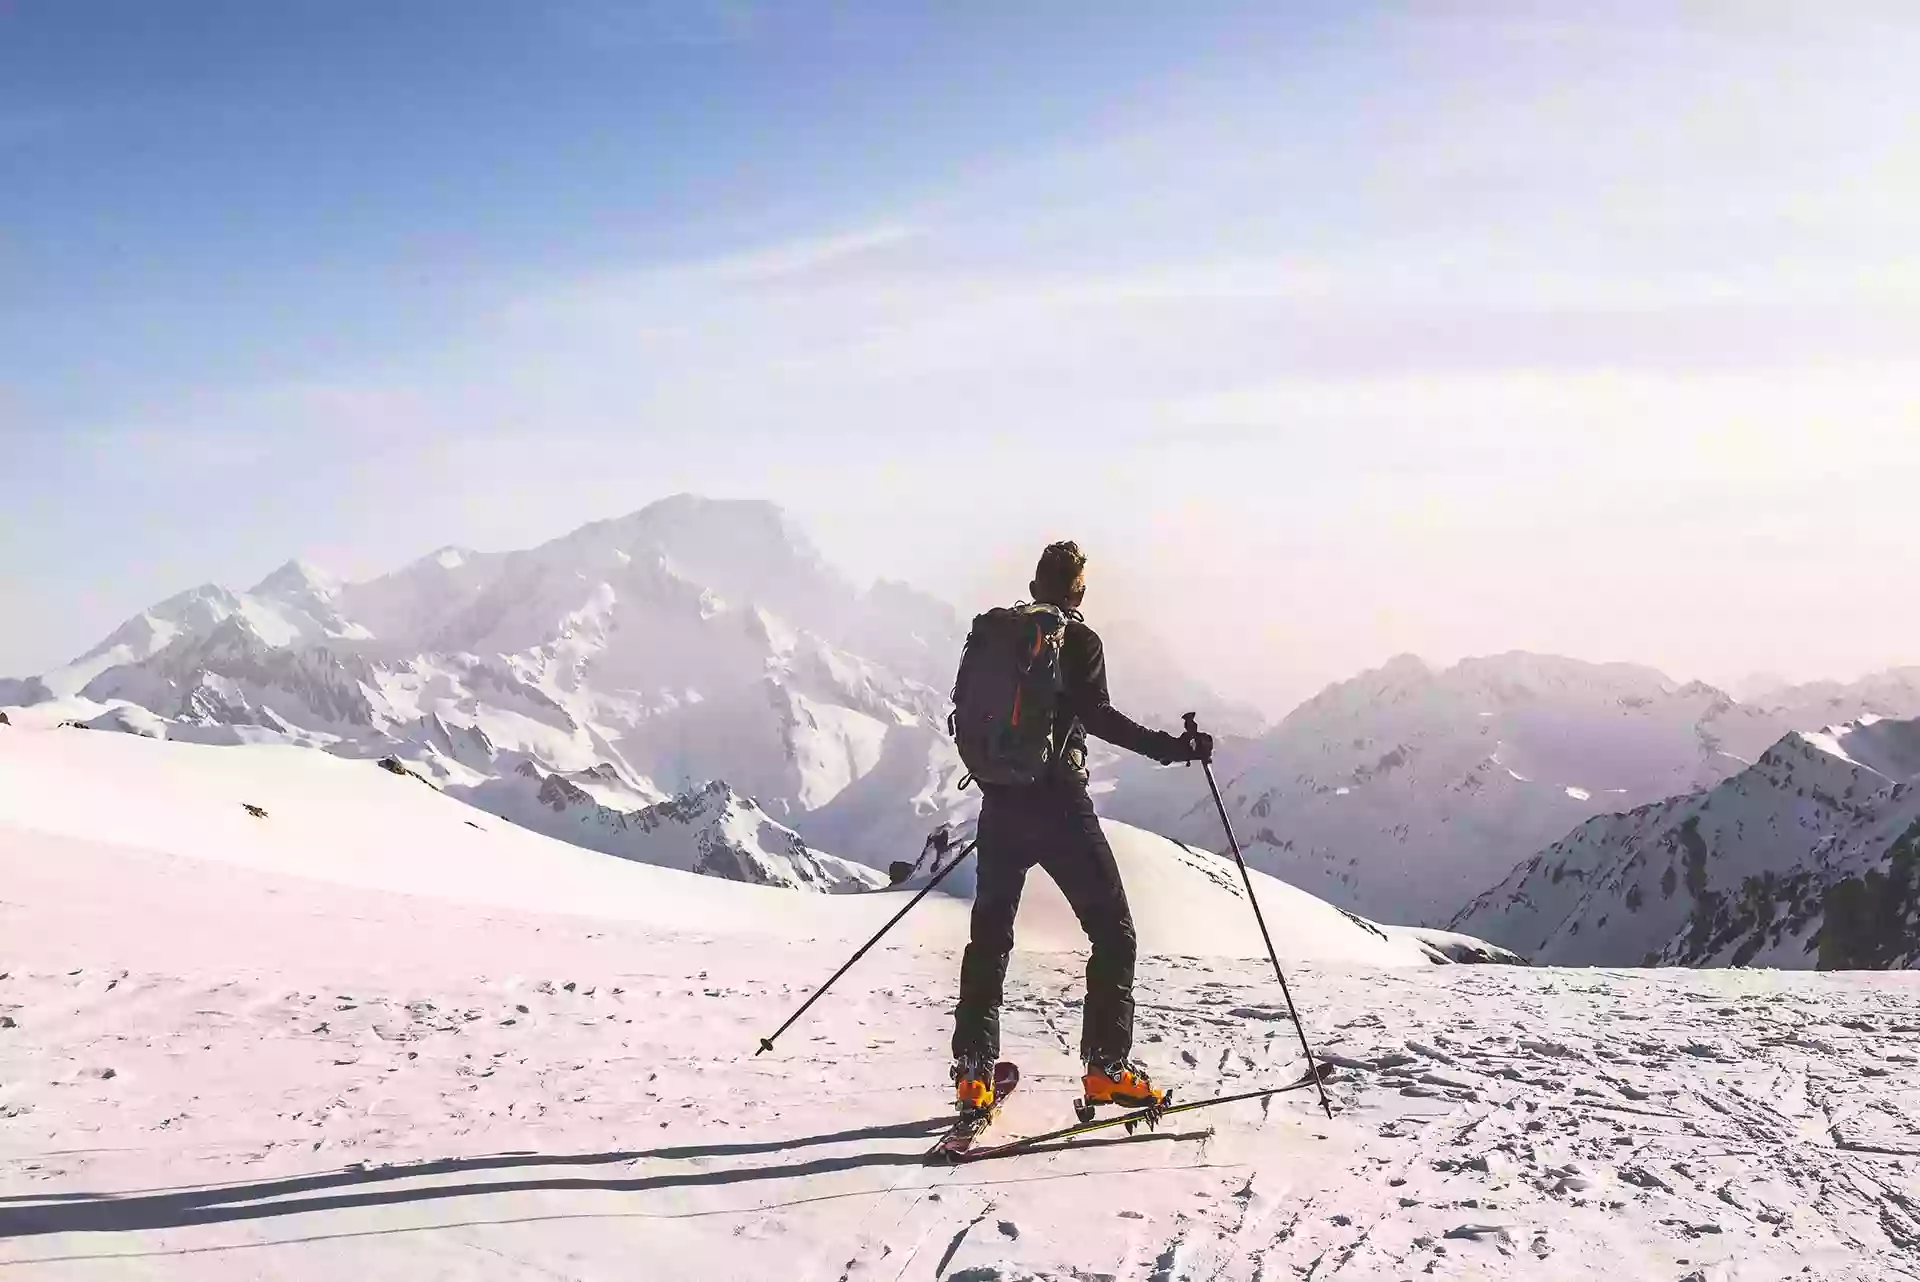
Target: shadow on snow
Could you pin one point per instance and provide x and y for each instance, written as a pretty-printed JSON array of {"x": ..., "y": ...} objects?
[{"x": 367, "y": 1186}]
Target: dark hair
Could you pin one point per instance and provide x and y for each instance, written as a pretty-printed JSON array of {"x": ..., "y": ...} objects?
[{"x": 1060, "y": 568}]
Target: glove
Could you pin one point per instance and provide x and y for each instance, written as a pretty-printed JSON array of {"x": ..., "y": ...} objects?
[{"x": 1196, "y": 745}]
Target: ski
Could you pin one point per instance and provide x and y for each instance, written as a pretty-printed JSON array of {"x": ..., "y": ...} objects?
[
  {"x": 969, "y": 1126},
  {"x": 1151, "y": 1116}
]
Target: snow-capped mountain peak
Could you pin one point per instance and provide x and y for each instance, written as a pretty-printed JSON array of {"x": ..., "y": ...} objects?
[
  {"x": 195, "y": 610},
  {"x": 296, "y": 579}
]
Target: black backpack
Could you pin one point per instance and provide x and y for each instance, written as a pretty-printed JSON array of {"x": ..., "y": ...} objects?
[{"x": 1006, "y": 698}]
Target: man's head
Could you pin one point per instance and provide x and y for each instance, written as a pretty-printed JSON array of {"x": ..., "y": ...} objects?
[{"x": 1061, "y": 577}]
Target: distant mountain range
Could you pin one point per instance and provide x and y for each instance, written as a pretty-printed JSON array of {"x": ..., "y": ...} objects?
[
  {"x": 693, "y": 685},
  {"x": 1401, "y": 793},
  {"x": 1808, "y": 857}
]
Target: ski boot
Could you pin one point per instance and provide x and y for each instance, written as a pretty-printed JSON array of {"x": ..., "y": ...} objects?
[
  {"x": 1120, "y": 1082},
  {"x": 973, "y": 1090}
]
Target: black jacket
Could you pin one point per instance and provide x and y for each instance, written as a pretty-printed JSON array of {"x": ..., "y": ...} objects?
[{"x": 1087, "y": 709}]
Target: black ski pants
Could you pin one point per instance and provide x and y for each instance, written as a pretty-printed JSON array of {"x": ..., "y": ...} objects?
[{"x": 1053, "y": 826}]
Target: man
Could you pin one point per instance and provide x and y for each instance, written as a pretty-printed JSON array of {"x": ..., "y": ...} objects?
[{"x": 1052, "y": 823}]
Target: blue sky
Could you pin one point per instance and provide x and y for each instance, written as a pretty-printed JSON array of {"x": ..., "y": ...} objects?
[
  {"x": 1439, "y": 327},
  {"x": 362, "y": 170}
]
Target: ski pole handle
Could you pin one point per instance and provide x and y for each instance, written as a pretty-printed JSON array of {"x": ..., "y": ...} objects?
[{"x": 1199, "y": 745}]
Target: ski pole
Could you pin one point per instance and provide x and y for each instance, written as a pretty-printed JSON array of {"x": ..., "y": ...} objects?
[
  {"x": 766, "y": 1043},
  {"x": 1206, "y": 764}
]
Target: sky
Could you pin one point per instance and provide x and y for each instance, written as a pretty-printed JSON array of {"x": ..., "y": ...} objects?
[{"x": 1332, "y": 331}]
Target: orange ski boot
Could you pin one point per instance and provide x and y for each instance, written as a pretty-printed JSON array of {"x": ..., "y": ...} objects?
[
  {"x": 1123, "y": 1083},
  {"x": 973, "y": 1085}
]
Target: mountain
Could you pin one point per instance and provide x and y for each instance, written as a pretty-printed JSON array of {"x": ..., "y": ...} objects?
[
  {"x": 1396, "y": 794},
  {"x": 710, "y": 830},
  {"x": 1808, "y": 857},
  {"x": 693, "y": 649},
  {"x": 1892, "y": 693}
]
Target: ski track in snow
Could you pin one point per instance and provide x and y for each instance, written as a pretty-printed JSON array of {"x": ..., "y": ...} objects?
[{"x": 559, "y": 1098}]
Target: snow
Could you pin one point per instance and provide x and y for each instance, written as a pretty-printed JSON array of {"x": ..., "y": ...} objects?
[
  {"x": 1829, "y": 742},
  {"x": 272, "y": 624},
  {"x": 130, "y": 718},
  {"x": 362, "y": 1038},
  {"x": 1447, "y": 945}
]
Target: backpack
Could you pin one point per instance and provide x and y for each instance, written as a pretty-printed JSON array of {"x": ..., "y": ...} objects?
[{"x": 1006, "y": 697}]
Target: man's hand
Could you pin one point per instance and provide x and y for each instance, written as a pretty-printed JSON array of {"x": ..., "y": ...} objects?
[{"x": 1196, "y": 744}]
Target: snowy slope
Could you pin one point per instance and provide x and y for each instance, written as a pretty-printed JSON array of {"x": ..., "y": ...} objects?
[
  {"x": 1403, "y": 792},
  {"x": 359, "y": 824},
  {"x": 375, "y": 1034},
  {"x": 1811, "y": 856}
]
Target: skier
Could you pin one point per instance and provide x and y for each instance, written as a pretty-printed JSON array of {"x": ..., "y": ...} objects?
[{"x": 1050, "y": 821}]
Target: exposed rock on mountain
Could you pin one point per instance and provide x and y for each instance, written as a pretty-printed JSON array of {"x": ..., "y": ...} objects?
[{"x": 1806, "y": 858}]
